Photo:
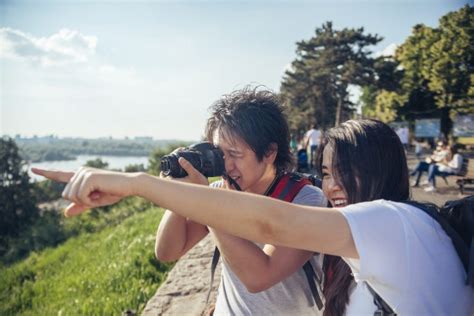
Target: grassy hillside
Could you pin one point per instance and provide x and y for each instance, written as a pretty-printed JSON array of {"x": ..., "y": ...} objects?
[{"x": 105, "y": 272}]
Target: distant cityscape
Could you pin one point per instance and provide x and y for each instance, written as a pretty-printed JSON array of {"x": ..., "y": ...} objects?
[
  {"x": 52, "y": 138},
  {"x": 55, "y": 148}
]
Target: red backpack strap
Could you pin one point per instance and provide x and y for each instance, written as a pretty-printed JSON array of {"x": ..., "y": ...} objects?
[
  {"x": 288, "y": 186},
  {"x": 285, "y": 188}
]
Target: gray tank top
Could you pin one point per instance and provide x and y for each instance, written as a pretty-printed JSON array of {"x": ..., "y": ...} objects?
[{"x": 291, "y": 296}]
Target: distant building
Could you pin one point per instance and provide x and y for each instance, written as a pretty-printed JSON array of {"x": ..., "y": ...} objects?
[{"x": 144, "y": 139}]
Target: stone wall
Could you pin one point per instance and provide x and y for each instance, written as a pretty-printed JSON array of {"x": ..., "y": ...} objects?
[{"x": 185, "y": 290}]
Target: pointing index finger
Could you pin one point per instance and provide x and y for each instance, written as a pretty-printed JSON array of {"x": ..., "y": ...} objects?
[{"x": 59, "y": 176}]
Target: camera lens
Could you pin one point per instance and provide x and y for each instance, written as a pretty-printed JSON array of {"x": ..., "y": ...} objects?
[
  {"x": 169, "y": 165},
  {"x": 204, "y": 157}
]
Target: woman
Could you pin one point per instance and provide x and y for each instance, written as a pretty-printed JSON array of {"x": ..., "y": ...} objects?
[
  {"x": 397, "y": 249},
  {"x": 423, "y": 166},
  {"x": 451, "y": 165}
]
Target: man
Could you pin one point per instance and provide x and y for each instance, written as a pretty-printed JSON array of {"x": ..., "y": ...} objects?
[
  {"x": 403, "y": 134},
  {"x": 250, "y": 128},
  {"x": 313, "y": 138}
]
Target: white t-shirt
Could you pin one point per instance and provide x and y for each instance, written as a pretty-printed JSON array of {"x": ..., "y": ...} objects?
[
  {"x": 454, "y": 165},
  {"x": 408, "y": 259},
  {"x": 313, "y": 136}
]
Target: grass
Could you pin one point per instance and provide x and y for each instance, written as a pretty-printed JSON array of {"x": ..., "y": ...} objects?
[{"x": 104, "y": 272}]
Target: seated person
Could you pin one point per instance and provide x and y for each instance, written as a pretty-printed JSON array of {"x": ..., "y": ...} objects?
[
  {"x": 451, "y": 165},
  {"x": 438, "y": 155}
]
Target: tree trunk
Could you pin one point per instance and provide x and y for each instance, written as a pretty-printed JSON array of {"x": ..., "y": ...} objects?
[
  {"x": 446, "y": 122},
  {"x": 338, "y": 112}
]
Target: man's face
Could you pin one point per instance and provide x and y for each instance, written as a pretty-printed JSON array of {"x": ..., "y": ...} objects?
[{"x": 242, "y": 165}]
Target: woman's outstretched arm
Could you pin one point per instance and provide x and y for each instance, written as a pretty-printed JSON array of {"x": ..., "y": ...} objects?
[{"x": 246, "y": 215}]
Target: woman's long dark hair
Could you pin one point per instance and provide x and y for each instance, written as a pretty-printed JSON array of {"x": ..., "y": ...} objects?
[{"x": 368, "y": 163}]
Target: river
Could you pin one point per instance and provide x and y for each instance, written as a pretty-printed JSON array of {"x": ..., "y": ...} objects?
[{"x": 115, "y": 162}]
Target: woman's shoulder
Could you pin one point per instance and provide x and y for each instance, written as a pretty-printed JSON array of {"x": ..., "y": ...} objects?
[{"x": 386, "y": 210}]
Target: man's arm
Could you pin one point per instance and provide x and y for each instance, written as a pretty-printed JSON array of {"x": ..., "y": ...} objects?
[
  {"x": 176, "y": 235},
  {"x": 259, "y": 269}
]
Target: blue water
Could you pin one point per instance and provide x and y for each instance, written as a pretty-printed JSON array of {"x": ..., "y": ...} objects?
[{"x": 115, "y": 162}]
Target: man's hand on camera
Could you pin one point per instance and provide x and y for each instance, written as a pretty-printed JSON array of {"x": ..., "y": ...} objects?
[{"x": 193, "y": 176}]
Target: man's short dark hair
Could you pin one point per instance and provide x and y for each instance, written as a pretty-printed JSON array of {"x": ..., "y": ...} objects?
[{"x": 256, "y": 116}]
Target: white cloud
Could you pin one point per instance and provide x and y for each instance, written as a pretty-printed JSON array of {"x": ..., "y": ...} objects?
[
  {"x": 387, "y": 51},
  {"x": 65, "y": 47}
]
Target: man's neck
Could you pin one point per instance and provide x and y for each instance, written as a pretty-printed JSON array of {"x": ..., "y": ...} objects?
[{"x": 264, "y": 183}]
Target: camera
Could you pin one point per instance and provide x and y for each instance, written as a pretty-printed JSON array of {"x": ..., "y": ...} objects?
[{"x": 205, "y": 157}]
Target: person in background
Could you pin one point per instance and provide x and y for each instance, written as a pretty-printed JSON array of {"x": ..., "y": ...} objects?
[
  {"x": 438, "y": 155},
  {"x": 450, "y": 165},
  {"x": 293, "y": 144},
  {"x": 312, "y": 140},
  {"x": 418, "y": 148}
]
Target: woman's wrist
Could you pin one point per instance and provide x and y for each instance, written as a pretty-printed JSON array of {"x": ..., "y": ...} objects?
[{"x": 136, "y": 183}]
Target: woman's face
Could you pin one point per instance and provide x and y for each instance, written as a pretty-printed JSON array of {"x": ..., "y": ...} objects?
[{"x": 333, "y": 192}]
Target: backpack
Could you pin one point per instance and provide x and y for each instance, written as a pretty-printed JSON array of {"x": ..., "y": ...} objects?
[
  {"x": 457, "y": 220},
  {"x": 285, "y": 187}
]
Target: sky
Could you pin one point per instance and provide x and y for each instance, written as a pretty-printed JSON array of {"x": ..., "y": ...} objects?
[{"x": 128, "y": 68}]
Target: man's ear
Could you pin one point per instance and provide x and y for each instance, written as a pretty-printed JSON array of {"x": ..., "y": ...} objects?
[{"x": 271, "y": 154}]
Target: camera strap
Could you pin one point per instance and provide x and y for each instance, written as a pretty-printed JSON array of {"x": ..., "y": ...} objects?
[{"x": 232, "y": 182}]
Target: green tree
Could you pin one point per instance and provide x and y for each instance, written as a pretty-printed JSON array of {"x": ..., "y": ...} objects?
[
  {"x": 17, "y": 204},
  {"x": 154, "y": 161},
  {"x": 315, "y": 88},
  {"x": 135, "y": 168},
  {"x": 47, "y": 190},
  {"x": 452, "y": 59},
  {"x": 438, "y": 66},
  {"x": 97, "y": 163},
  {"x": 379, "y": 98}
]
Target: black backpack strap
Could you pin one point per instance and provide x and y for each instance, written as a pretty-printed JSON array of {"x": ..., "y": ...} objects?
[
  {"x": 465, "y": 254},
  {"x": 383, "y": 309},
  {"x": 311, "y": 276},
  {"x": 470, "y": 271},
  {"x": 215, "y": 260}
]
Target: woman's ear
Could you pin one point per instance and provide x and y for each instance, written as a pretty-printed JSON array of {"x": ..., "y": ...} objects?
[{"x": 271, "y": 153}]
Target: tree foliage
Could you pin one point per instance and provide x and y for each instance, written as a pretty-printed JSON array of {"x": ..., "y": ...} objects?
[
  {"x": 452, "y": 59},
  {"x": 437, "y": 73},
  {"x": 315, "y": 88},
  {"x": 97, "y": 163},
  {"x": 154, "y": 161},
  {"x": 17, "y": 204},
  {"x": 379, "y": 99}
]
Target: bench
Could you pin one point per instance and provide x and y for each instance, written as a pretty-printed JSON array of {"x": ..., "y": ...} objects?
[{"x": 465, "y": 175}]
